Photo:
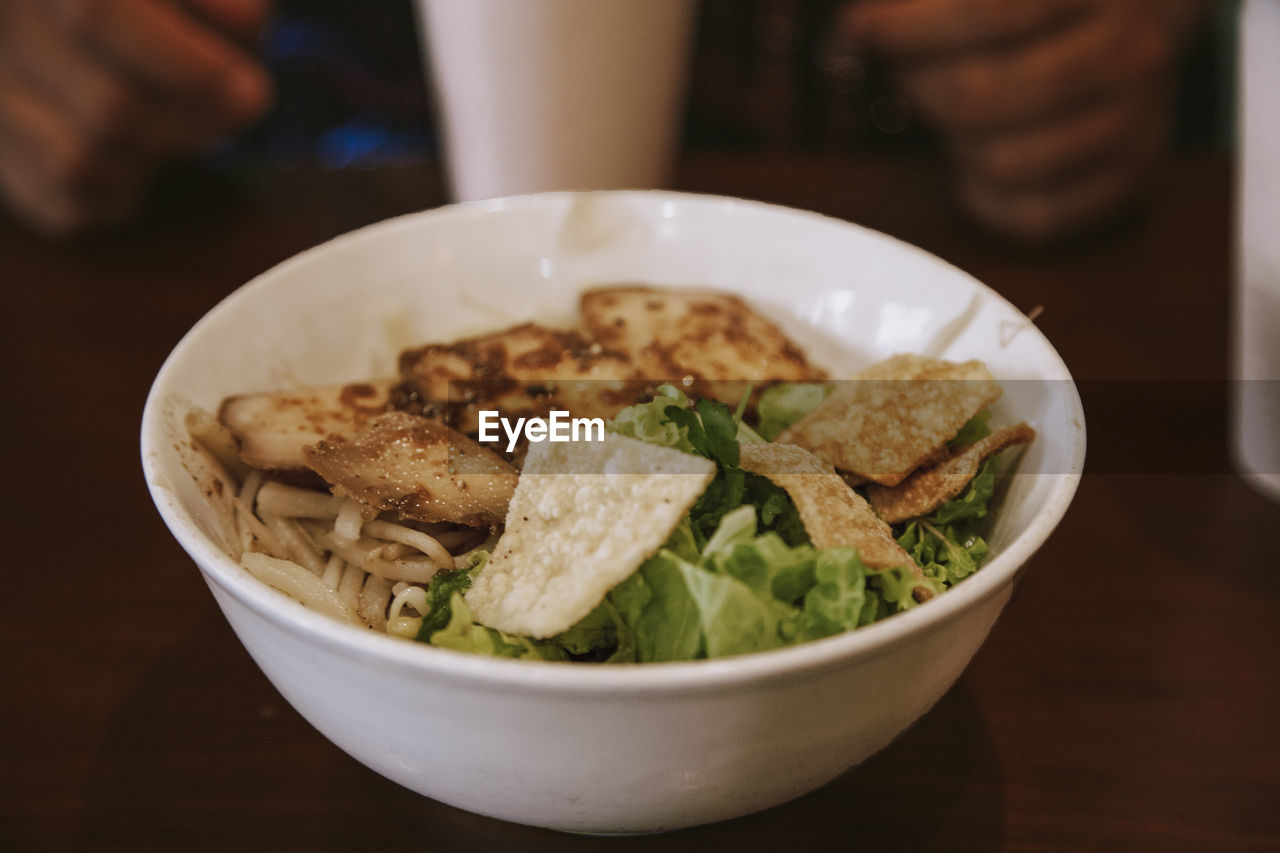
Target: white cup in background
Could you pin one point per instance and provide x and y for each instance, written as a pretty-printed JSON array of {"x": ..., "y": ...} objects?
[
  {"x": 541, "y": 95},
  {"x": 1256, "y": 335}
]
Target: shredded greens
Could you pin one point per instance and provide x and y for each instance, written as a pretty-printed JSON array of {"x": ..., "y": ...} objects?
[{"x": 739, "y": 573}]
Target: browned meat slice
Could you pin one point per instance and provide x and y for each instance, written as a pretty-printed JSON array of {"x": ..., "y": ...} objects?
[
  {"x": 833, "y": 514},
  {"x": 929, "y": 488},
  {"x": 895, "y": 416},
  {"x": 709, "y": 336},
  {"x": 419, "y": 468},
  {"x": 524, "y": 371},
  {"x": 275, "y": 427}
]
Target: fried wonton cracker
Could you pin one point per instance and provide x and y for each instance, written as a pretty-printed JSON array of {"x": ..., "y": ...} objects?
[
  {"x": 929, "y": 488},
  {"x": 894, "y": 416},
  {"x": 833, "y": 514},
  {"x": 585, "y": 515}
]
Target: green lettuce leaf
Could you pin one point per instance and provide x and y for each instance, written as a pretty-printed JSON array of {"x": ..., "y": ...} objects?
[
  {"x": 733, "y": 618},
  {"x": 649, "y": 421},
  {"x": 594, "y": 632},
  {"x": 741, "y": 594},
  {"x": 838, "y": 600},
  {"x": 684, "y": 542},
  {"x": 769, "y": 566},
  {"x": 738, "y": 525},
  {"x": 657, "y": 605},
  {"x": 693, "y": 613},
  {"x": 463, "y": 635},
  {"x": 977, "y": 427},
  {"x": 782, "y": 405}
]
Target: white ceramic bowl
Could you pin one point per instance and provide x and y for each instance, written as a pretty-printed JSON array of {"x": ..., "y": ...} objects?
[{"x": 610, "y": 748}]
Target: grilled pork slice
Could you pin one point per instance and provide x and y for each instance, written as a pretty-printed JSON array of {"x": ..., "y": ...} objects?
[
  {"x": 524, "y": 371},
  {"x": 712, "y": 338},
  {"x": 420, "y": 468},
  {"x": 274, "y": 428}
]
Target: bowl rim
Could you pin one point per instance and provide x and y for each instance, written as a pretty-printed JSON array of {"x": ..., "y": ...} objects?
[{"x": 560, "y": 677}]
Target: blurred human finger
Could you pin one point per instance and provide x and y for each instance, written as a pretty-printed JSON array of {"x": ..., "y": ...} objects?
[
  {"x": 1038, "y": 80},
  {"x": 1039, "y": 214},
  {"x": 243, "y": 20},
  {"x": 1056, "y": 149},
  {"x": 920, "y": 28},
  {"x": 105, "y": 106},
  {"x": 49, "y": 176},
  {"x": 164, "y": 47}
]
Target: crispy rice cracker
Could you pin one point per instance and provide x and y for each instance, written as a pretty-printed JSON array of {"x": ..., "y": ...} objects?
[
  {"x": 929, "y": 488},
  {"x": 892, "y": 417},
  {"x": 580, "y": 522}
]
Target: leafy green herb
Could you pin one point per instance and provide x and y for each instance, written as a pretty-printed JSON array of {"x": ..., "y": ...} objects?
[
  {"x": 972, "y": 502},
  {"x": 897, "y": 587},
  {"x": 440, "y": 593},
  {"x": 711, "y": 430},
  {"x": 778, "y": 512}
]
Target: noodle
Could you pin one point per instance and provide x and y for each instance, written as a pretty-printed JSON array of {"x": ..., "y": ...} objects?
[
  {"x": 332, "y": 571},
  {"x": 334, "y": 555},
  {"x": 249, "y": 488},
  {"x": 349, "y": 587},
  {"x": 346, "y": 527},
  {"x": 279, "y": 499},
  {"x": 413, "y": 538},
  {"x": 419, "y": 570},
  {"x": 406, "y": 626},
  {"x": 296, "y": 581},
  {"x": 258, "y": 533},
  {"x": 394, "y": 551},
  {"x": 219, "y": 441},
  {"x": 367, "y": 554},
  {"x": 299, "y": 549},
  {"x": 457, "y": 538},
  {"x": 373, "y": 602}
]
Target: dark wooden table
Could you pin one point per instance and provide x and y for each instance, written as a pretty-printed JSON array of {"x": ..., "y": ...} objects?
[{"x": 1129, "y": 698}]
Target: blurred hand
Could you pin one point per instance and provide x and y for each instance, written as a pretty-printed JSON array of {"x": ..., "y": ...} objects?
[
  {"x": 95, "y": 95},
  {"x": 1055, "y": 110}
]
